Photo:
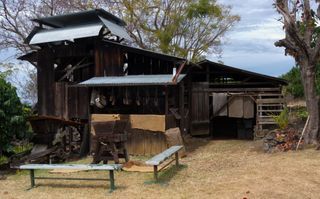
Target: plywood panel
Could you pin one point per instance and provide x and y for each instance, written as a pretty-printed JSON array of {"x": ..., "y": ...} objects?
[
  {"x": 141, "y": 140},
  {"x": 236, "y": 107},
  {"x": 145, "y": 122},
  {"x": 248, "y": 108},
  {"x": 220, "y": 100}
]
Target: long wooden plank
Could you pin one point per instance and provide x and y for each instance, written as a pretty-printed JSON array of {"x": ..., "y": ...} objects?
[
  {"x": 158, "y": 159},
  {"x": 73, "y": 166},
  {"x": 144, "y": 122},
  {"x": 266, "y": 122},
  {"x": 270, "y": 101},
  {"x": 270, "y": 94},
  {"x": 237, "y": 90},
  {"x": 268, "y": 111}
]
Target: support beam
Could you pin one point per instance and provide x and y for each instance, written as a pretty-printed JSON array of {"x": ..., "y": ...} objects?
[
  {"x": 181, "y": 107},
  {"x": 45, "y": 82}
]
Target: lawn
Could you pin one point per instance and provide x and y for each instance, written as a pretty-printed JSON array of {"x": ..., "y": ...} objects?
[{"x": 212, "y": 169}]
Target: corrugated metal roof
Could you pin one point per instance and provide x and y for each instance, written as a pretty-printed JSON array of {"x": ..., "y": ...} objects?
[
  {"x": 77, "y": 25},
  {"x": 240, "y": 73},
  {"x": 116, "y": 29},
  {"x": 130, "y": 80},
  {"x": 69, "y": 33},
  {"x": 78, "y": 18}
]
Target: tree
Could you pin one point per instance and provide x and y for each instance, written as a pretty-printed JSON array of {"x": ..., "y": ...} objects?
[
  {"x": 302, "y": 41},
  {"x": 185, "y": 28},
  {"x": 12, "y": 115},
  {"x": 24, "y": 77},
  {"x": 295, "y": 87}
]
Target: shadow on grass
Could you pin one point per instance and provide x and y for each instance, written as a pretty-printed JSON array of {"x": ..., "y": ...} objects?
[
  {"x": 193, "y": 143},
  {"x": 165, "y": 176},
  {"x": 105, "y": 186}
]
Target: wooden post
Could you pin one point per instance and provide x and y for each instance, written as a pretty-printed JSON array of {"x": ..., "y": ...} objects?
[
  {"x": 181, "y": 107},
  {"x": 45, "y": 82},
  {"x": 155, "y": 172},
  {"x": 98, "y": 60},
  {"x": 177, "y": 159},
  {"x": 32, "y": 178},
  {"x": 166, "y": 100},
  {"x": 112, "y": 185}
]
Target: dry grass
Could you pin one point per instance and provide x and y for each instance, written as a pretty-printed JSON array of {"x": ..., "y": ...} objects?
[{"x": 214, "y": 169}]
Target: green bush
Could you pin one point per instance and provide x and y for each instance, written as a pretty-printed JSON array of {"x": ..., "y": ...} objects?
[
  {"x": 3, "y": 160},
  {"x": 295, "y": 87},
  {"x": 13, "y": 114},
  {"x": 282, "y": 119},
  {"x": 21, "y": 148},
  {"x": 302, "y": 113}
]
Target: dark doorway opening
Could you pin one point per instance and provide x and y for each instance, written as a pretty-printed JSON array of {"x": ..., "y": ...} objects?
[{"x": 232, "y": 128}]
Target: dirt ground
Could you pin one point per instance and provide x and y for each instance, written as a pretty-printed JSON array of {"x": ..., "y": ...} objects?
[{"x": 213, "y": 169}]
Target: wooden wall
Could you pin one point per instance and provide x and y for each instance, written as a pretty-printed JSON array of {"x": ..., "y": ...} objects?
[
  {"x": 108, "y": 61},
  {"x": 145, "y": 132},
  {"x": 200, "y": 121},
  {"x": 45, "y": 82}
]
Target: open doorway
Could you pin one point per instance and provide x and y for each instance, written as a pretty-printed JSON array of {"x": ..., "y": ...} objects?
[
  {"x": 232, "y": 116},
  {"x": 232, "y": 128}
]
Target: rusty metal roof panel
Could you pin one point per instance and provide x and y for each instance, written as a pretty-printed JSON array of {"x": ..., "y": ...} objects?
[
  {"x": 69, "y": 33},
  {"x": 131, "y": 80}
]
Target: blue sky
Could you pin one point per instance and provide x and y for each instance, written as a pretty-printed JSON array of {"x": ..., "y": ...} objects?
[{"x": 250, "y": 45}]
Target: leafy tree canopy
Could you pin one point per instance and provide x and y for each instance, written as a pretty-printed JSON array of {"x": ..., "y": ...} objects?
[{"x": 295, "y": 86}]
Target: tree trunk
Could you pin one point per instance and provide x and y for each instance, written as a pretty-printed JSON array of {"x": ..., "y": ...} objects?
[{"x": 308, "y": 74}]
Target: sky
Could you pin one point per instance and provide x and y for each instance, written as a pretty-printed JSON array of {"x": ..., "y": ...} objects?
[{"x": 250, "y": 44}]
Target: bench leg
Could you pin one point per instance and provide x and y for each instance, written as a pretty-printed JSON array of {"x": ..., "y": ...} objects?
[
  {"x": 32, "y": 178},
  {"x": 177, "y": 158},
  {"x": 155, "y": 172},
  {"x": 112, "y": 186}
]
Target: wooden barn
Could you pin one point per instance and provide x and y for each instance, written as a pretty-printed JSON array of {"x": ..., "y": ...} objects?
[{"x": 87, "y": 72}]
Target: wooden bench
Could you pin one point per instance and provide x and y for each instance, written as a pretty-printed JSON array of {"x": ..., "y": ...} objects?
[
  {"x": 104, "y": 167},
  {"x": 160, "y": 158}
]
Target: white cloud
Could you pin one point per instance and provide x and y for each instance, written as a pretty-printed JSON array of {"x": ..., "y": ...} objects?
[{"x": 250, "y": 45}]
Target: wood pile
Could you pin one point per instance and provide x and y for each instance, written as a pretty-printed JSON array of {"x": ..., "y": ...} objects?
[{"x": 282, "y": 140}]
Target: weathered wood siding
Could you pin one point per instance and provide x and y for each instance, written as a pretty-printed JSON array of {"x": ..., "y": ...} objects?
[
  {"x": 200, "y": 121},
  {"x": 45, "y": 82},
  {"x": 145, "y": 132}
]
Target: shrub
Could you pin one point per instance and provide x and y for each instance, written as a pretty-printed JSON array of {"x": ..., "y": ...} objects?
[
  {"x": 13, "y": 113},
  {"x": 282, "y": 119},
  {"x": 302, "y": 113},
  {"x": 295, "y": 87},
  {"x": 21, "y": 148},
  {"x": 3, "y": 160}
]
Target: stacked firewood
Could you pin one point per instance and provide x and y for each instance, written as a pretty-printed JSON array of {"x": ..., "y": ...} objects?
[{"x": 282, "y": 140}]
